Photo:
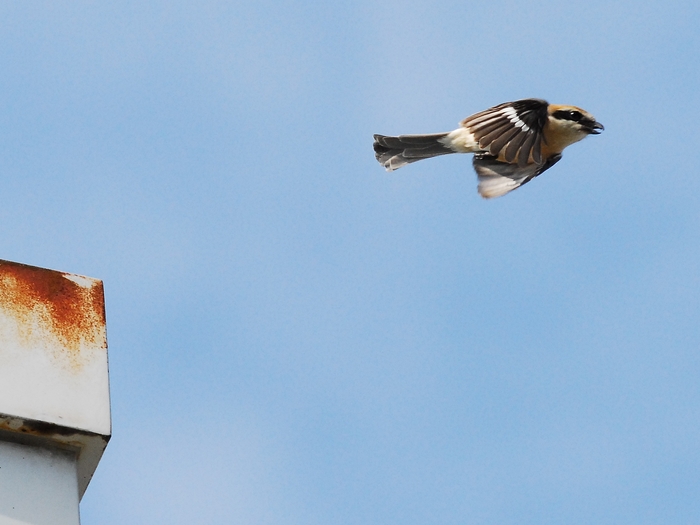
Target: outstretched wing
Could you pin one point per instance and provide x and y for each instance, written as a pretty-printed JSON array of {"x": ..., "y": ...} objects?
[
  {"x": 511, "y": 132},
  {"x": 497, "y": 178}
]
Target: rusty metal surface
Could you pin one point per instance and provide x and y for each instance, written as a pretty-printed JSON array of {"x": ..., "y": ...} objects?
[
  {"x": 54, "y": 309},
  {"x": 54, "y": 383}
]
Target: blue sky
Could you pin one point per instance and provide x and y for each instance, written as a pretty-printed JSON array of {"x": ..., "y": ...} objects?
[{"x": 297, "y": 336}]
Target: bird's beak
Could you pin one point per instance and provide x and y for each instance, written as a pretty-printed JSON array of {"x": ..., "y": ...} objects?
[{"x": 594, "y": 128}]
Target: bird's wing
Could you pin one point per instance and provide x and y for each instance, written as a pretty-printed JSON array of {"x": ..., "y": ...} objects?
[
  {"x": 496, "y": 178},
  {"x": 511, "y": 132}
]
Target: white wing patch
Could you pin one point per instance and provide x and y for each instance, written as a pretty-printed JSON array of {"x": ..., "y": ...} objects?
[
  {"x": 498, "y": 178},
  {"x": 496, "y": 187},
  {"x": 512, "y": 115}
]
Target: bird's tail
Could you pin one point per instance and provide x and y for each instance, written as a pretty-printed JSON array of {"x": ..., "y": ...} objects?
[{"x": 394, "y": 152}]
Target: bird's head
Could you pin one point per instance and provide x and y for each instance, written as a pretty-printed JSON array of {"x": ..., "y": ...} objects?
[
  {"x": 575, "y": 119},
  {"x": 570, "y": 124}
]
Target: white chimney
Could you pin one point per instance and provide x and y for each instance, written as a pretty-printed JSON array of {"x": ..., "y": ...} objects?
[{"x": 54, "y": 392}]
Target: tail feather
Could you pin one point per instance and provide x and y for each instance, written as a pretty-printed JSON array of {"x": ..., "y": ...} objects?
[{"x": 394, "y": 152}]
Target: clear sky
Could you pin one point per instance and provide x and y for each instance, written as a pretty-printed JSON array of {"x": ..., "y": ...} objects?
[{"x": 297, "y": 337}]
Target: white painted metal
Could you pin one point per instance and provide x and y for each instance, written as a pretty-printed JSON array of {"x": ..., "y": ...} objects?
[
  {"x": 50, "y": 372},
  {"x": 38, "y": 486}
]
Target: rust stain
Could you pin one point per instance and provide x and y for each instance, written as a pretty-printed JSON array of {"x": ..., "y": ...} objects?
[{"x": 72, "y": 313}]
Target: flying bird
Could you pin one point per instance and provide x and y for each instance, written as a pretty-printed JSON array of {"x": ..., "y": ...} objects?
[{"x": 512, "y": 143}]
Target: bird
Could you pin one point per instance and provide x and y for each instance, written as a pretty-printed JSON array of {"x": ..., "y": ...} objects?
[{"x": 512, "y": 143}]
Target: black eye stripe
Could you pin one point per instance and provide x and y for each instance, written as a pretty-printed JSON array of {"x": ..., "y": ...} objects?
[{"x": 568, "y": 114}]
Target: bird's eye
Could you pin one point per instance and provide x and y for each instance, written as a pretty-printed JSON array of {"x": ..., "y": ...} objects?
[{"x": 575, "y": 115}]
